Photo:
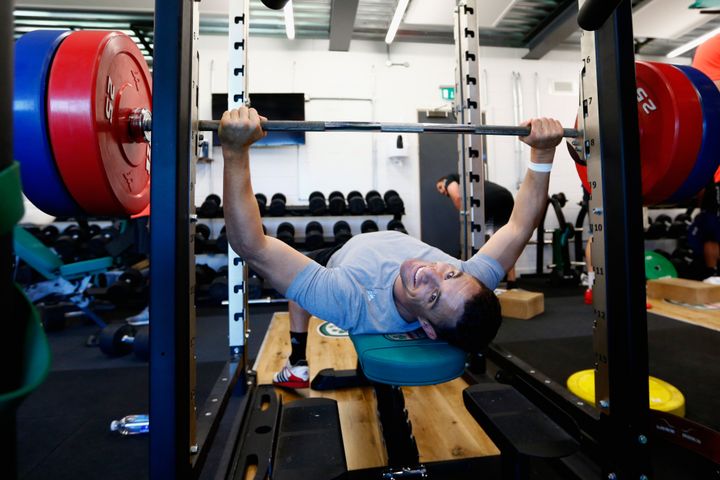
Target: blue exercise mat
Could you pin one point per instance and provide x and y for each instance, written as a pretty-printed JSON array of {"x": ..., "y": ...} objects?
[
  {"x": 41, "y": 181},
  {"x": 708, "y": 157}
]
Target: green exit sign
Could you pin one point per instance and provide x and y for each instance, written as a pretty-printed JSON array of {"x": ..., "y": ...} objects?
[{"x": 448, "y": 93}]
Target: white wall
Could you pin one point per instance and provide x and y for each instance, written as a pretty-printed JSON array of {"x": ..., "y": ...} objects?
[{"x": 363, "y": 87}]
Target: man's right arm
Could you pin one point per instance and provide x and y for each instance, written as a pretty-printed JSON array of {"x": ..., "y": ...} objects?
[{"x": 277, "y": 262}]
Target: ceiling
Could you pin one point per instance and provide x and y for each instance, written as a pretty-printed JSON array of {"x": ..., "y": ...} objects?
[{"x": 538, "y": 25}]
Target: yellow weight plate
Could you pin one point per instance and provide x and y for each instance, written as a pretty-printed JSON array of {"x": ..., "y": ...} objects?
[{"x": 663, "y": 396}]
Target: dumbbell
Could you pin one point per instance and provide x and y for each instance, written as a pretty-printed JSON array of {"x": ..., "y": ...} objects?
[
  {"x": 336, "y": 203},
  {"x": 49, "y": 234},
  {"x": 286, "y": 233},
  {"x": 659, "y": 227},
  {"x": 369, "y": 226},
  {"x": 277, "y": 205},
  {"x": 130, "y": 285},
  {"x": 261, "y": 202},
  {"x": 210, "y": 208},
  {"x": 33, "y": 230},
  {"x": 314, "y": 236},
  {"x": 221, "y": 242},
  {"x": 119, "y": 339},
  {"x": 316, "y": 204},
  {"x": 356, "y": 203},
  {"x": 202, "y": 236},
  {"x": 254, "y": 285},
  {"x": 68, "y": 244},
  {"x": 375, "y": 203},
  {"x": 342, "y": 232},
  {"x": 394, "y": 203},
  {"x": 97, "y": 242},
  {"x": 680, "y": 226},
  {"x": 204, "y": 274},
  {"x": 396, "y": 225},
  {"x": 218, "y": 288},
  {"x": 683, "y": 258}
]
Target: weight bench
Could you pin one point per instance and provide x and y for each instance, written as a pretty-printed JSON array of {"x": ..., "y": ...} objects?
[
  {"x": 69, "y": 280},
  {"x": 388, "y": 362}
]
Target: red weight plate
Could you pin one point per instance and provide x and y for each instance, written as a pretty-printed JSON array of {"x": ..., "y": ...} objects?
[
  {"x": 581, "y": 169},
  {"x": 671, "y": 125},
  {"x": 96, "y": 80}
]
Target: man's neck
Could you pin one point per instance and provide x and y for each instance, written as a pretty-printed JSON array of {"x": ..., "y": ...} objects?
[{"x": 399, "y": 298}]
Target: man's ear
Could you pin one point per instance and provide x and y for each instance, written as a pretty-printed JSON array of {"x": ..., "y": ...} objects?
[{"x": 429, "y": 330}]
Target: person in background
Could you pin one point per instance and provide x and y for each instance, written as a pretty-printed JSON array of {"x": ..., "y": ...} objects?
[{"x": 499, "y": 204}]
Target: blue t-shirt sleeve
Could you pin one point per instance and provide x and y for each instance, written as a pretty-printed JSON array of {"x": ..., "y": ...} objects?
[
  {"x": 327, "y": 293},
  {"x": 484, "y": 268}
]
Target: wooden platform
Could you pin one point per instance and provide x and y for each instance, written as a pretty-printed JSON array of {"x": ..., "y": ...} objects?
[
  {"x": 443, "y": 429},
  {"x": 695, "y": 316}
]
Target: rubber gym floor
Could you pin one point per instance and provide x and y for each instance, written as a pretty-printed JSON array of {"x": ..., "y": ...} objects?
[{"x": 63, "y": 428}]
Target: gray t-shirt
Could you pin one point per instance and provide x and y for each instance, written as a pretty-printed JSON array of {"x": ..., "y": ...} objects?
[{"x": 355, "y": 291}]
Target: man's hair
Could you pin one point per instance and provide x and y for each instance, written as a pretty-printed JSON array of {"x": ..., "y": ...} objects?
[
  {"x": 478, "y": 324},
  {"x": 441, "y": 179}
]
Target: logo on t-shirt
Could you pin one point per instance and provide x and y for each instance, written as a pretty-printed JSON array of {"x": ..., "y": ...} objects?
[
  {"x": 327, "y": 329},
  {"x": 371, "y": 295}
]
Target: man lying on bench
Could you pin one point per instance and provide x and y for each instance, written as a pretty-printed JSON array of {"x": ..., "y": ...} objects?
[{"x": 382, "y": 282}]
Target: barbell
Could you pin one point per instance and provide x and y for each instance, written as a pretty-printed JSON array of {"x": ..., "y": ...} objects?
[{"x": 82, "y": 115}]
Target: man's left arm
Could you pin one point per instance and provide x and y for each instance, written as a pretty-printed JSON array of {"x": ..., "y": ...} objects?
[{"x": 508, "y": 243}]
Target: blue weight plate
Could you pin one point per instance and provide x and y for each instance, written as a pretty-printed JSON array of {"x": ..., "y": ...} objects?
[
  {"x": 708, "y": 158},
  {"x": 41, "y": 179}
]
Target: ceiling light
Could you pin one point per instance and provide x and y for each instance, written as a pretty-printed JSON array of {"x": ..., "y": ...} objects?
[
  {"x": 399, "y": 13},
  {"x": 289, "y": 21},
  {"x": 693, "y": 43}
]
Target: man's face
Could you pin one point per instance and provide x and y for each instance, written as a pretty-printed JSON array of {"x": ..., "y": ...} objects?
[
  {"x": 436, "y": 292},
  {"x": 441, "y": 187}
]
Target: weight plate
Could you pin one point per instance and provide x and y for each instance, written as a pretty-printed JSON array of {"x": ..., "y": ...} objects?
[
  {"x": 663, "y": 396},
  {"x": 96, "y": 80},
  {"x": 670, "y": 119},
  {"x": 41, "y": 181},
  {"x": 708, "y": 158},
  {"x": 657, "y": 266},
  {"x": 580, "y": 167}
]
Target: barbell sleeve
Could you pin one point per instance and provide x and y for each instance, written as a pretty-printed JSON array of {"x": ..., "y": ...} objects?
[{"x": 315, "y": 126}]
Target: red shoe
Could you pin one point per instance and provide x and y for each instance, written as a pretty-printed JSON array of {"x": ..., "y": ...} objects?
[
  {"x": 293, "y": 376},
  {"x": 588, "y": 296}
]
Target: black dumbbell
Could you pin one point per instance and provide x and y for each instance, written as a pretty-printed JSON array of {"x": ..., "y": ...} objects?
[
  {"x": 210, "y": 208},
  {"x": 92, "y": 230},
  {"x": 314, "y": 236},
  {"x": 659, "y": 227},
  {"x": 131, "y": 286},
  {"x": 261, "y": 202},
  {"x": 286, "y": 233},
  {"x": 336, "y": 203},
  {"x": 119, "y": 339},
  {"x": 33, "y": 230},
  {"x": 375, "y": 203},
  {"x": 277, "y": 205},
  {"x": 49, "y": 234},
  {"x": 52, "y": 315},
  {"x": 202, "y": 236},
  {"x": 69, "y": 243},
  {"x": 218, "y": 288},
  {"x": 396, "y": 225},
  {"x": 683, "y": 259},
  {"x": 679, "y": 227},
  {"x": 204, "y": 274},
  {"x": 96, "y": 244},
  {"x": 316, "y": 204},
  {"x": 356, "y": 203},
  {"x": 394, "y": 203},
  {"x": 369, "y": 226},
  {"x": 254, "y": 285},
  {"x": 342, "y": 232},
  {"x": 221, "y": 242}
]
